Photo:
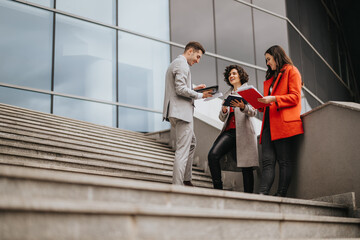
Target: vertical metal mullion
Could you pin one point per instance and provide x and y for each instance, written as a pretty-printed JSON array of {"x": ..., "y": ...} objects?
[
  {"x": 117, "y": 61},
  {"x": 170, "y": 57},
  {"x": 53, "y": 63},
  {"x": 258, "y": 115},
  {"x": 215, "y": 46}
]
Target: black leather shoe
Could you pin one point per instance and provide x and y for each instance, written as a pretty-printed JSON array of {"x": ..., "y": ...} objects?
[{"x": 188, "y": 183}]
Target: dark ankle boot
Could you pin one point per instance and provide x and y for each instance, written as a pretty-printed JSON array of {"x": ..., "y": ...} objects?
[{"x": 218, "y": 184}]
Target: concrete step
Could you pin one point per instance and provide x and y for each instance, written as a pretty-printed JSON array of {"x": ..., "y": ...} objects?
[
  {"x": 41, "y": 219},
  {"x": 74, "y": 125},
  {"x": 32, "y": 183},
  {"x": 17, "y": 143},
  {"x": 63, "y": 139},
  {"x": 15, "y": 123},
  {"x": 90, "y": 163},
  {"x": 57, "y": 123},
  {"x": 163, "y": 136}
]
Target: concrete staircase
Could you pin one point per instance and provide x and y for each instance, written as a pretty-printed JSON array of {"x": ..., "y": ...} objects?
[{"x": 67, "y": 179}]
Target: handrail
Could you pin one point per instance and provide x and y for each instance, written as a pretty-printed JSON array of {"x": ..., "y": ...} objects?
[
  {"x": 298, "y": 31},
  {"x": 77, "y": 97},
  {"x": 140, "y": 35}
]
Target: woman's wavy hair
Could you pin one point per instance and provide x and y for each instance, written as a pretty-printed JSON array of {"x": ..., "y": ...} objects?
[
  {"x": 280, "y": 58},
  {"x": 244, "y": 77}
]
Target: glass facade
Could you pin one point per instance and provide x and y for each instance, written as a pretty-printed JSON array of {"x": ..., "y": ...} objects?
[
  {"x": 93, "y": 70},
  {"x": 105, "y": 61}
]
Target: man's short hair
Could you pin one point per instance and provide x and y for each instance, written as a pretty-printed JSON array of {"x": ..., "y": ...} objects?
[{"x": 194, "y": 45}]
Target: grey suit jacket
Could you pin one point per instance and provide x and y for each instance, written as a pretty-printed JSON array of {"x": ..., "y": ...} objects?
[{"x": 179, "y": 96}]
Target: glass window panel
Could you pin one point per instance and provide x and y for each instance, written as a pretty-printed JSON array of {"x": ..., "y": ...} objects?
[
  {"x": 85, "y": 59},
  {"x": 98, "y": 10},
  {"x": 26, "y": 99},
  {"x": 305, "y": 106},
  {"x": 261, "y": 75},
  {"x": 295, "y": 47},
  {"x": 269, "y": 31},
  {"x": 142, "y": 68},
  {"x": 308, "y": 74},
  {"x": 328, "y": 86},
  {"x": 46, "y": 3},
  {"x": 141, "y": 121},
  {"x": 311, "y": 102},
  {"x": 192, "y": 21},
  {"x": 234, "y": 31},
  {"x": 202, "y": 72},
  {"x": 93, "y": 112},
  {"x": 25, "y": 45},
  {"x": 151, "y": 18},
  {"x": 276, "y": 6}
]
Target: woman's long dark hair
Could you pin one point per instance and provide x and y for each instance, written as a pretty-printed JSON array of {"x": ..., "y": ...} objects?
[{"x": 280, "y": 58}]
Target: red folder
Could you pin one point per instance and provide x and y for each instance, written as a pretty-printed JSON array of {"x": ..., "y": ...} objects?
[{"x": 251, "y": 94}]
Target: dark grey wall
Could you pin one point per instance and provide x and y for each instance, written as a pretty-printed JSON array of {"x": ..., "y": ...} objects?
[{"x": 311, "y": 19}]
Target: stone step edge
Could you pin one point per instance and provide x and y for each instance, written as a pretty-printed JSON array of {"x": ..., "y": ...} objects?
[
  {"x": 166, "y": 179},
  {"x": 89, "y": 131},
  {"x": 76, "y": 144},
  {"x": 9, "y": 139},
  {"x": 71, "y": 122},
  {"x": 27, "y": 111},
  {"x": 105, "y": 181},
  {"x": 50, "y": 146},
  {"x": 95, "y": 165},
  {"x": 109, "y": 208},
  {"x": 16, "y": 152},
  {"x": 87, "y": 138}
]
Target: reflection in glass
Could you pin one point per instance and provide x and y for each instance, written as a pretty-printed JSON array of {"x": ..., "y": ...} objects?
[
  {"x": 46, "y": 3},
  {"x": 305, "y": 106},
  {"x": 93, "y": 112},
  {"x": 234, "y": 31},
  {"x": 25, "y": 45},
  {"x": 261, "y": 77},
  {"x": 146, "y": 17},
  {"x": 26, "y": 99},
  {"x": 276, "y": 6},
  {"x": 101, "y": 11},
  {"x": 142, "y": 68},
  {"x": 192, "y": 21},
  {"x": 269, "y": 31},
  {"x": 141, "y": 121},
  {"x": 85, "y": 59}
]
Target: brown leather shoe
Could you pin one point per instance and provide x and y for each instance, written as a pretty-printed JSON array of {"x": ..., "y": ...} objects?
[{"x": 188, "y": 183}]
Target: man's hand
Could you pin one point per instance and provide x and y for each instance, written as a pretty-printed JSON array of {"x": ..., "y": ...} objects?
[
  {"x": 207, "y": 94},
  {"x": 267, "y": 99},
  {"x": 201, "y": 86}
]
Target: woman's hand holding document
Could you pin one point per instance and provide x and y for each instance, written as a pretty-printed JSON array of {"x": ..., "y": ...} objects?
[{"x": 251, "y": 95}]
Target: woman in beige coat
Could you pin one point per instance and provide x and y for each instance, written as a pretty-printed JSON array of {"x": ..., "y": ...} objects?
[{"x": 237, "y": 135}]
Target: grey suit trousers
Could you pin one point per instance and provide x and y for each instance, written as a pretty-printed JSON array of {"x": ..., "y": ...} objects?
[{"x": 185, "y": 149}]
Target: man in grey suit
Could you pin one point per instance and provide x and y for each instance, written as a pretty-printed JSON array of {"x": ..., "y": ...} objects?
[{"x": 179, "y": 109}]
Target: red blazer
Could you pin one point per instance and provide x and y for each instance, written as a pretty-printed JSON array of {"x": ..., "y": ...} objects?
[{"x": 284, "y": 114}]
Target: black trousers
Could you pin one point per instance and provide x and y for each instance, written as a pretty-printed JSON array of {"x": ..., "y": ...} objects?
[
  {"x": 283, "y": 151},
  {"x": 225, "y": 143}
]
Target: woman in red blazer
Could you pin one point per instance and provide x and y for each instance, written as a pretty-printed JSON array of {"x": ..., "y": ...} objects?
[{"x": 281, "y": 122}]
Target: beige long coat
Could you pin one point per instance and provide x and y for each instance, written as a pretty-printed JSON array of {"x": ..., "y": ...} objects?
[{"x": 246, "y": 140}]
